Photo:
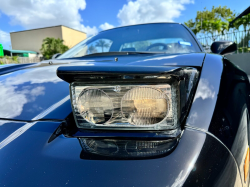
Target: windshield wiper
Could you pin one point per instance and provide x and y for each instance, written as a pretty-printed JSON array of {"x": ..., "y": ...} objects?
[{"x": 122, "y": 53}]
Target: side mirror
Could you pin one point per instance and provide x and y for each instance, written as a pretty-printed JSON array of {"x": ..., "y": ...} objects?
[
  {"x": 56, "y": 55},
  {"x": 223, "y": 47}
]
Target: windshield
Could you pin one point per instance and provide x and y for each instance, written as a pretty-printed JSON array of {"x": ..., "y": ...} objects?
[{"x": 160, "y": 37}]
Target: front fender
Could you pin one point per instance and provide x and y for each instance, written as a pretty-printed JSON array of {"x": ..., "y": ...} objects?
[{"x": 29, "y": 159}]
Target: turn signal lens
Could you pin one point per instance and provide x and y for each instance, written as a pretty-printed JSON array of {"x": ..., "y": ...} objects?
[
  {"x": 246, "y": 165},
  {"x": 125, "y": 149}
]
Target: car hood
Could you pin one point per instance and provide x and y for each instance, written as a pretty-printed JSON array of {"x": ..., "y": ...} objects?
[
  {"x": 6, "y": 65},
  {"x": 34, "y": 92},
  {"x": 26, "y": 151}
]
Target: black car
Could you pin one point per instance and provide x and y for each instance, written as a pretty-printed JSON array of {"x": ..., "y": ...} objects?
[{"x": 139, "y": 105}]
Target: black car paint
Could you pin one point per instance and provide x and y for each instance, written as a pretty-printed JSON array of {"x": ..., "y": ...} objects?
[
  {"x": 209, "y": 153},
  {"x": 31, "y": 161},
  {"x": 54, "y": 91}
]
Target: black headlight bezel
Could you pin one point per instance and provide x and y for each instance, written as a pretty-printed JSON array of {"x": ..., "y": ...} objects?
[{"x": 102, "y": 75}]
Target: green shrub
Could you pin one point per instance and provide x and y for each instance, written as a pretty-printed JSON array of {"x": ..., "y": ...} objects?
[
  {"x": 245, "y": 50},
  {"x": 15, "y": 58}
]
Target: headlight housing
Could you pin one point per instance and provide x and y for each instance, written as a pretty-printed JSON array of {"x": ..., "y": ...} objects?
[
  {"x": 157, "y": 101},
  {"x": 126, "y": 106}
]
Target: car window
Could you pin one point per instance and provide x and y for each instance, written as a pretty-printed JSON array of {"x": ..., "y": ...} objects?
[
  {"x": 157, "y": 45},
  {"x": 97, "y": 46},
  {"x": 158, "y": 37}
]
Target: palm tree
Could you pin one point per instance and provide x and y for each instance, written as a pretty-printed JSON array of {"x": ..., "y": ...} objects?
[
  {"x": 102, "y": 43},
  {"x": 91, "y": 49},
  {"x": 245, "y": 21},
  {"x": 52, "y": 46}
]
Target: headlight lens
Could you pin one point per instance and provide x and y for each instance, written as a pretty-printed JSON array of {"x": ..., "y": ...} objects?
[
  {"x": 133, "y": 106},
  {"x": 154, "y": 103}
]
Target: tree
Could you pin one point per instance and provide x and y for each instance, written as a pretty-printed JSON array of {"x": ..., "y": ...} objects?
[
  {"x": 244, "y": 21},
  {"x": 52, "y": 46},
  {"x": 102, "y": 43},
  {"x": 211, "y": 22}
]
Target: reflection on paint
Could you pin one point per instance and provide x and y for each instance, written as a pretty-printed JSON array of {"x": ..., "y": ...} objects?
[
  {"x": 24, "y": 87},
  {"x": 12, "y": 101},
  {"x": 16, "y": 134},
  {"x": 157, "y": 58},
  {"x": 53, "y": 107},
  {"x": 24, "y": 128},
  {"x": 181, "y": 178},
  {"x": 205, "y": 90}
]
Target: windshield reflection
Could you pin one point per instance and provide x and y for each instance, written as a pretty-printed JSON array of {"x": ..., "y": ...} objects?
[{"x": 168, "y": 38}]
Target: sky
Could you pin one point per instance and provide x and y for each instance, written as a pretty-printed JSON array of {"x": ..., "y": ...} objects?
[{"x": 92, "y": 16}]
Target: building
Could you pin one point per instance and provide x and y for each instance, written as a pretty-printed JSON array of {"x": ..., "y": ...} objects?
[
  {"x": 20, "y": 53},
  {"x": 31, "y": 40}
]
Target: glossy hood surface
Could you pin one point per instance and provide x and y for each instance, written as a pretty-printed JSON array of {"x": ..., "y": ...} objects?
[
  {"x": 45, "y": 152},
  {"x": 29, "y": 159},
  {"x": 35, "y": 92}
]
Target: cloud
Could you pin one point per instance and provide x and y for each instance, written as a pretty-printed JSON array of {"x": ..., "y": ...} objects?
[
  {"x": 147, "y": 11},
  {"x": 24, "y": 87},
  {"x": 43, "y": 13},
  {"x": 4, "y": 37},
  {"x": 8, "y": 106},
  {"x": 106, "y": 26},
  {"x": 205, "y": 90},
  {"x": 89, "y": 30},
  {"x": 13, "y": 101}
]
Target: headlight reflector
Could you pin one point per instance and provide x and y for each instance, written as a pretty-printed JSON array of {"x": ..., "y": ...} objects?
[
  {"x": 145, "y": 106},
  {"x": 95, "y": 106}
]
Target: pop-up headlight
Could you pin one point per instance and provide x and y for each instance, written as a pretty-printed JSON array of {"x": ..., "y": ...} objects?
[{"x": 143, "y": 100}]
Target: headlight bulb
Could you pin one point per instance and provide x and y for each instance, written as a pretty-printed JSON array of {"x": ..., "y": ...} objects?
[
  {"x": 145, "y": 106},
  {"x": 95, "y": 106}
]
